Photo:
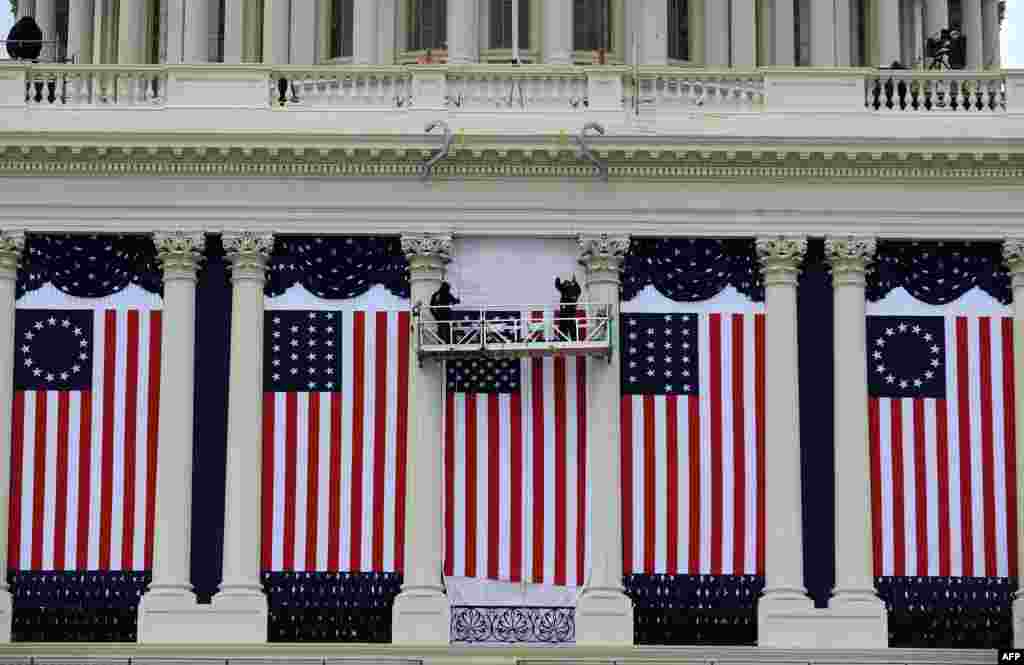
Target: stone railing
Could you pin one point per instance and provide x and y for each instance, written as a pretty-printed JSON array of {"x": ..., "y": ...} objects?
[
  {"x": 507, "y": 89},
  {"x": 935, "y": 92}
]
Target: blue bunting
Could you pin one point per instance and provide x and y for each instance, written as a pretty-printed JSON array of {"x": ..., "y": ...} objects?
[
  {"x": 692, "y": 269},
  {"x": 338, "y": 267},
  {"x": 939, "y": 272},
  {"x": 89, "y": 266}
]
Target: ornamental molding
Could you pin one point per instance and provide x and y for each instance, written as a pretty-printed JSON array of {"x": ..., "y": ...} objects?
[
  {"x": 433, "y": 245},
  {"x": 849, "y": 258},
  {"x": 180, "y": 252},
  {"x": 248, "y": 252},
  {"x": 603, "y": 252},
  {"x": 641, "y": 161},
  {"x": 780, "y": 258},
  {"x": 12, "y": 245}
]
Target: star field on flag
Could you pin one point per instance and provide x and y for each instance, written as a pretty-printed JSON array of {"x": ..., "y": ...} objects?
[
  {"x": 303, "y": 352},
  {"x": 659, "y": 354}
]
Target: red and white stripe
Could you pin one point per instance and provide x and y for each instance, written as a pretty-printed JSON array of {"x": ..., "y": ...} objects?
[
  {"x": 516, "y": 494},
  {"x": 944, "y": 470},
  {"x": 83, "y": 472},
  {"x": 693, "y": 466},
  {"x": 334, "y": 465}
]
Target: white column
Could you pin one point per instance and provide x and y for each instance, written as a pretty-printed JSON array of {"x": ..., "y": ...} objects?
[
  {"x": 743, "y": 34},
  {"x": 1013, "y": 254},
  {"x": 80, "y": 18},
  {"x": 277, "y": 20},
  {"x": 234, "y": 31},
  {"x": 716, "y": 33},
  {"x": 917, "y": 33},
  {"x": 843, "y": 33},
  {"x": 784, "y": 586},
  {"x": 304, "y": 32},
  {"x": 650, "y": 22},
  {"x": 175, "y": 30},
  {"x": 421, "y": 614},
  {"x": 25, "y": 8},
  {"x": 131, "y": 32},
  {"x": 784, "y": 34},
  {"x": 887, "y": 23},
  {"x": 849, "y": 258},
  {"x": 463, "y": 35},
  {"x": 364, "y": 32},
  {"x": 990, "y": 22},
  {"x": 604, "y": 613},
  {"x": 241, "y": 604},
  {"x": 197, "y": 31},
  {"x": 556, "y": 28},
  {"x": 46, "y": 18},
  {"x": 170, "y": 595},
  {"x": 936, "y": 16},
  {"x": 12, "y": 243},
  {"x": 823, "y": 33},
  {"x": 972, "y": 30}
]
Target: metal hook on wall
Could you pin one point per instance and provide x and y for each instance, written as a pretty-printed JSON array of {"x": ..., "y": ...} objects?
[
  {"x": 586, "y": 153},
  {"x": 428, "y": 166}
]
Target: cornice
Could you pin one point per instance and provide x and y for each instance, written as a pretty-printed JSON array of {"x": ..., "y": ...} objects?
[{"x": 646, "y": 161}]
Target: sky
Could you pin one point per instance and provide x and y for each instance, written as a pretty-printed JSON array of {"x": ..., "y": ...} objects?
[{"x": 1011, "y": 40}]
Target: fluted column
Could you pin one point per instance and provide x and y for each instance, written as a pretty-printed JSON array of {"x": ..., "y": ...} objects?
[
  {"x": 887, "y": 23},
  {"x": 823, "y": 34},
  {"x": 421, "y": 614},
  {"x": 743, "y": 34},
  {"x": 12, "y": 244},
  {"x": 936, "y": 16},
  {"x": 463, "y": 32},
  {"x": 1013, "y": 254},
  {"x": 276, "y": 30},
  {"x": 171, "y": 592},
  {"x": 990, "y": 25},
  {"x": 556, "y": 31},
  {"x": 652, "y": 23},
  {"x": 917, "y": 33},
  {"x": 80, "y": 20},
  {"x": 241, "y": 594},
  {"x": 46, "y": 17},
  {"x": 303, "y": 42},
  {"x": 781, "y": 257},
  {"x": 972, "y": 30},
  {"x": 364, "y": 34},
  {"x": 604, "y": 614},
  {"x": 131, "y": 32},
  {"x": 849, "y": 258},
  {"x": 197, "y": 31},
  {"x": 784, "y": 35},
  {"x": 843, "y": 33},
  {"x": 24, "y": 8},
  {"x": 716, "y": 35}
]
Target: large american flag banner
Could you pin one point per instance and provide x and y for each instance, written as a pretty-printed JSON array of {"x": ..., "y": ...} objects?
[
  {"x": 942, "y": 442},
  {"x": 693, "y": 442},
  {"x": 515, "y": 446},
  {"x": 335, "y": 430},
  {"x": 84, "y": 439}
]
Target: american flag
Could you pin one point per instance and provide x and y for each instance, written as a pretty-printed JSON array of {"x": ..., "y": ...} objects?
[
  {"x": 84, "y": 439},
  {"x": 335, "y": 427},
  {"x": 942, "y": 442},
  {"x": 515, "y": 469},
  {"x": 693, "y": 443}
]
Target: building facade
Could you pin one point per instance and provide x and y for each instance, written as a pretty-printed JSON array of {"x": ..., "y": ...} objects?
[{"x": 777, "y": 422}]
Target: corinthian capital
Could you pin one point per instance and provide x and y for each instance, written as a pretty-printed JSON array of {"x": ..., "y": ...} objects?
[
  {"x": 179, "y": 251},
  {"x": 602, "y": 253},
  {"x": 248, "y": 252},
  {"x": 431, "y": 245},
  {"x": 849, "y": 257},
  {"x": 1013, "y": 254},
  {"x": 781, "y": 257},
  {"x": 12, "y": 244}
]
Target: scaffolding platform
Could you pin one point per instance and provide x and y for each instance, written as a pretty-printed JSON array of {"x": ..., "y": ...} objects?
[{"x": 515, "y": 331}]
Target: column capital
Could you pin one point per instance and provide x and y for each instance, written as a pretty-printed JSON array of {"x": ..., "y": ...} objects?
[
  {"x": 427, "y": 253},
  {"x": 849, "y": 257},
  {"x": 248, "y": 253},
  {"x": 1013, "y": 257},
  {"x": 780, "y": 258},
  {"x": 179, "y": 252},
  {"x": 604, "y": 252},
  {"x": 12, "y": 244}
]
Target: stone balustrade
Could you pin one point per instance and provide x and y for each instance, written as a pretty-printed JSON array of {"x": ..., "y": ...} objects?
[{"x": 936, "y": 92}]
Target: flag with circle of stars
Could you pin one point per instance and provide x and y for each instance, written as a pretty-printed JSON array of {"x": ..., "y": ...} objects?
[
  {"x": 906, "y": 356},
  {"x": 302, "y": 351},
  {"x": 53, "y": 349},
  {"x": 659, "y": 354}
]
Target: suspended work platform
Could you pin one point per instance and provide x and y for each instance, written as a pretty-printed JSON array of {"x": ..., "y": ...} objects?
[{"x": 514, "y": 331}]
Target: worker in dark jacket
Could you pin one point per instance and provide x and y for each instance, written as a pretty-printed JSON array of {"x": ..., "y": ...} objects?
[
  {"x": 440, "y": 307},
  {"x": 25, "y": 40},
  {"x": 568, "y": 295}
]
